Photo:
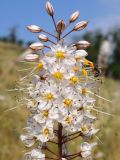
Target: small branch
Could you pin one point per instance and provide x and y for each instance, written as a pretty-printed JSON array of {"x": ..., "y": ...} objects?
[
  {"x": 74, "y": 157},
  {"x": 72, "y": 134},
  {"x": 51, "y": 151},
  {"x": 76, "y": 154},
  {"x": 49, "y": 34},
  {"x": 52, "y": 42},
  {"x": 47, "y": 46},
  {"x": 51, "y": 158},
  {"x": 68, "y": 33},
  {"x": 71, "y": 139},
  {"x": 54, "y": 23},
  {"x": 59, "y": 36},
  {"x": 53, "y": 142}
]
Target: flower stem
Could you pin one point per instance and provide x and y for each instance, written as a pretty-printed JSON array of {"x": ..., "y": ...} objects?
[
  {"x": 60, "y": 141},
  {"x": 65, "y": 141}
]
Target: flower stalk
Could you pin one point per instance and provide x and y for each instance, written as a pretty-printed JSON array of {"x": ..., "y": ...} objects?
[{"x": 60, "y": 141}]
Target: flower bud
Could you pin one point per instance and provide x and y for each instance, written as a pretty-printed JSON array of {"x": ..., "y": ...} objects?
[
  {"x": 82, "y": 45},
  {"x": 74, "y": 16},
  {"x": 43, "y": 38},
  {"x": 37, "y": 46},
  {"x": 31, "y": 58},
  {"x": 60, "y": 26},
  {"x": 34, "y": 29},
  {"x": 49, "y": 8},
  {"x": 80, "y": 25}
]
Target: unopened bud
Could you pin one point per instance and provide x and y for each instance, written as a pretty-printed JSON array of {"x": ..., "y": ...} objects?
[
  {"x": 82, "y": 45},
  {"x": 74, "y": 16},
  {"x": 31, "y": 58},
  {"x": 43, "y": 38},
  {"x": 60, "y": 26},
  {"x": 49, "y": 8},
  {"x": 34, "y": 29},
  {"x": 37, "y": 46},
  {"x": 80, "y": 25}
]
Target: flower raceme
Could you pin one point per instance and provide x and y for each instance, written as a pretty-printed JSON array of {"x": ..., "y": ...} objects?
[
  {"x": 59, "y": 94},
  {"x": 61, "y": 97}
]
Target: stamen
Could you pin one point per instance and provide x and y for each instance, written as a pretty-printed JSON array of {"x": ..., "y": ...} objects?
[
  {"x": 68, "y": 102},
  {"x": 40, "y": 65},
  {"x": 60, "y": 54},
  {"x": 69, "y": 119},
  {"x": 58, "y": 75},
  {"x": 76, "y": 69},
  {"x": 74, "y": 80},
  {"x": 84, "y": 72},
  {"x": 85, "y": 128},
  {"x": 46, "y": 132},
  {"x": 84, "y": 91},
  {"x": 49, "y": 96},
  {"x": 45, "y": 113}
]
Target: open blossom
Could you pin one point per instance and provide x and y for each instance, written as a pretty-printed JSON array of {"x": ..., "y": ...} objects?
[
  {"x": 35, "y": 154},
  {"x": 86, "y": 149},
  {"x": 59, "y": 95}
]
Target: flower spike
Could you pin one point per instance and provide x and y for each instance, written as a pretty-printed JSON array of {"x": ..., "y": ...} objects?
[{"x": 60, "y": 90}]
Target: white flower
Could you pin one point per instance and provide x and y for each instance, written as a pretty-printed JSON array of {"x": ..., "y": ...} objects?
[
  {"x": 70, "y": 101},
  {"x": 58, "y": 72},
  {"x": 63, "y": 54},
  {"x": 87, "y": 129},
  {"x": 48, "y": 94},
  {"x": 35, "y": 154},
  {"x": 72, "y": 79},
  {"x": 46, "y": 132},
  {"x": 86, "y": 149},
  {"x": 33, "y": 128},
  {"x": 27, "y": 139},
  {"x": 46, "y": 115},
  {"x": 68, "y": 120}
]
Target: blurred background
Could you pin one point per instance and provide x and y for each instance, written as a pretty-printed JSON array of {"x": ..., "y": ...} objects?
[{"x": 103, "y": 32}]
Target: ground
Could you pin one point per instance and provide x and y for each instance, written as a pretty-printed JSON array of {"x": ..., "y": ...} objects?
[{"x": 13, "y": 122}]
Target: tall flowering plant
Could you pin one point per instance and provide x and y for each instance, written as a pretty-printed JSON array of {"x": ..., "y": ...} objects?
[{"x": 60, "y": 93}]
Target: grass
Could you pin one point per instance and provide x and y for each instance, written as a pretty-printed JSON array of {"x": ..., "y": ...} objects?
[{"x": 12, "y": 122}]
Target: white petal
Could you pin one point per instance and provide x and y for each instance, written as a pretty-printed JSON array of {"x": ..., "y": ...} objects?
[
  {"x": 42, "y": 138},
  {"x": 39, "y": 118},
  {"x": 27, "y": 140},
  {"x": 85, "y": 146},
  {"x": 86, "y": 154},
  {"x": 80, "y": 53},
  {"x": 37, "y": 154},
  {"x": 42, "y": 105}
]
